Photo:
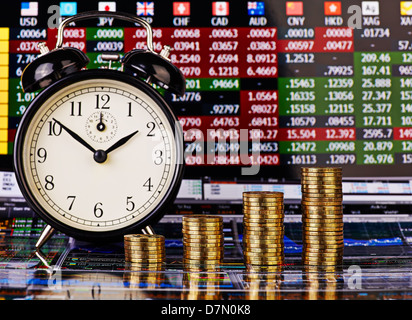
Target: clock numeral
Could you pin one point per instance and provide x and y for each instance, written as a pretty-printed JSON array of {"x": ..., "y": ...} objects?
[
  {"x": 49, "y": 185},
  {"x": 148, "y": 184},
  {"x": 158, "y": 157},
  {"x": 42, "y": 155},
  {"x": 98, "y": 211},
  {"x": 130, "y": 204},
  {"x": 55, "y": 129},
  {"x": 151, "y": 126},
  {"x": 130, "y": 109},
  {"x": 72, "y": 198},
  {"x": 76, "y": 110},
  {"x": 102, "y": 101}
]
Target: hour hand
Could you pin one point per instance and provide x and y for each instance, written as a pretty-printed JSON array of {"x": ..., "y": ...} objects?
[
  {"x": 75, "y": 136},
  {"x": 121, "y": 142}
]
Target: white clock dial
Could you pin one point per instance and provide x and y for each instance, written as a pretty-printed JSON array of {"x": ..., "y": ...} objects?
[{"x": 99, "y": 155}]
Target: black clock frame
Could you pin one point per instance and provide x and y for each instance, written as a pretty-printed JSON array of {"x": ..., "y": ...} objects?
[{"x": 97, "y": 236}]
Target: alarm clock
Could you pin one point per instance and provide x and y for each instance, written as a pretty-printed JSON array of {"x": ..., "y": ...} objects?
[{"x": 99, "y": 153}]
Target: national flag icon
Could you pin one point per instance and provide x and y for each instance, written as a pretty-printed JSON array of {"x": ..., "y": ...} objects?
[
  {"x": 220, "y": 8},
  {"x": 109, "y": 6},
  {"x": 145, "y": 8},
  {"x": 181, "y": 8},
  {"x": 294, "y": 8},
  {"x": 332, "y": 8},
  {"x": 256, "y": 8},
  {"x": 29, "y": 9},
  {"x": 68, "y": 8},
  {"x": 406, "y": 8},
  {"x": 370, "y": 8}
]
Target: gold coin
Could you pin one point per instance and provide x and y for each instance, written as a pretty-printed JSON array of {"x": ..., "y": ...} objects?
[
  {"x": 337, "y": 223},
  {"x": 320, "y": 180},
  {"x": 322, "y": 197},
  {"x": 201, "y": 243},
  {"x": 325, "y": 250},
  {"x": 203, "y": 233},
  {"x": 198, "y": 255},
  {"x": 322, "y": 258},
  {"x": 200, "y": 228},
  {"x": 306, "y": 192},
  {"x": 316, "y": 208},
  {"x": 143, "y": 237},
  {"x": 320, "y": 173},
  {"x": 310, "y": 186},
  {"x": 145, "y": 253},
  {"x": 264, "y": 250},
  {"x": 265, "y": 194},
  {"x": 145, "y": 249},
  {"x": 203, "y": 239},
  {"x": 263, "y": 202},
  {"x": 318, "y": 243},
  {"x": 321, "y": 202},
  {"x": 263, "y": 221},
  {"x": 253, "y": 246},
  {"x": 202, "y": 251},
  {"x": 322, "y": 254},
  {"x": 322, "y": 230},
  {"x": 264, "y": 215},
  {"x": 263, "y": 206},
  {"x": 309, "y": 219},
  {"x": 264, "y": 261},
  {"x": 154, "y": 251},
  {"x": 314, "y": 231},
  {"x": 247, "y": 241},
  {"x": 250, "y": 243},
  {"x": 279, "y": 218},
  {"x": 262, "y": 233},
  {"x": 322, "y": 214},
  {"x": 249, "y": 253},
  {"x": 266, "y": 225},
  {"x": 321, "y": 169}
]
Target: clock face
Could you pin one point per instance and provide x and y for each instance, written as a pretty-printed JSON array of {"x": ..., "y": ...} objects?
[{"x": 98, "y": 154}]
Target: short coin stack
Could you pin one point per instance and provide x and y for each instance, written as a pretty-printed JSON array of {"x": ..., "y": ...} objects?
[
  {"x": 202, "y": 242},
  {"x": 146, "y": 250},
  {"x": 263, "y": 229},
  {"x": 322, "y": 217}
]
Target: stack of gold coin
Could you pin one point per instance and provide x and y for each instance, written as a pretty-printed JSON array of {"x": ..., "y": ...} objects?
[
  {"x": 263, "y": 229},
  {"x": 322, "y": 216},
  {"x": 145, "y": 250},
  {"x": 202, "y": 241}
]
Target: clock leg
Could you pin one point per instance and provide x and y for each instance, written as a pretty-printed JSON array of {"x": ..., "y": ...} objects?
[
  {"x": 148, "y": 230},
  {"x": 45, "y": 235}
]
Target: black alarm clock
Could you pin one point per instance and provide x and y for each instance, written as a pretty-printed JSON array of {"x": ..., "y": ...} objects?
[{"x": 99, "y": 153}]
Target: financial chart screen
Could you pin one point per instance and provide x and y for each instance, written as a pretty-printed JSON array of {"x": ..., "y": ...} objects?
[{"x": 269, "y": 84}]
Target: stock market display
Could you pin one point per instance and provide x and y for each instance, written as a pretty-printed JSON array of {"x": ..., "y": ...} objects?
[{"x": 298, "y": 82}]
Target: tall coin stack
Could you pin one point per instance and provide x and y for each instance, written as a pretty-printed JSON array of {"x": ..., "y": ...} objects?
[
  {"x": 263, "y": 229},
  {"x": 202, "y": 242},
  {"x": 145, "y": 250},
  {"x": 322, "y": 217}
]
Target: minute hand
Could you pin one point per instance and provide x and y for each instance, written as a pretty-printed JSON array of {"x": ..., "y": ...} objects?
[
  {"x": 75, "y": 136},
  {"x": 121, "y": 142}
]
